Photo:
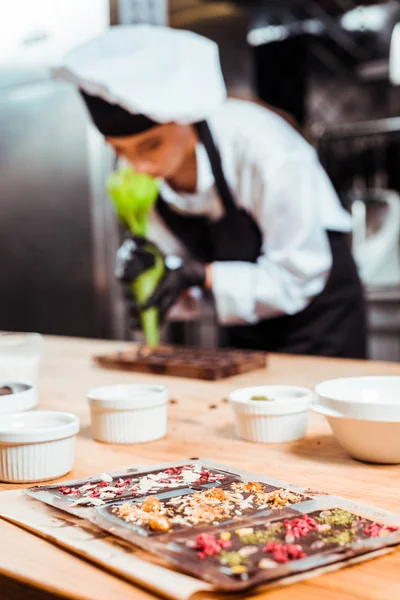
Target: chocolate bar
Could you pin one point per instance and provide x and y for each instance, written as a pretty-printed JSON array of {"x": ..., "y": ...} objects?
[
  {"x": 262, "y": 551},
  {"x": 107, "y": 488},
  {"x": 213, "y": 506}
]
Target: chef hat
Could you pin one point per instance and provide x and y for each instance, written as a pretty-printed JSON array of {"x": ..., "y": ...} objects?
[{"x": 138, "y": 76}]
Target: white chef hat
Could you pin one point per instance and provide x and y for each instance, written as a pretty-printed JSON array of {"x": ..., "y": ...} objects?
[{"x": 137, "y": 76}]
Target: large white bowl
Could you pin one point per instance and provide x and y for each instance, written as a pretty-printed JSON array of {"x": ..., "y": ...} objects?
[
  {"x": 364, "y": 415},
  {"x": 371, "y": 398}
]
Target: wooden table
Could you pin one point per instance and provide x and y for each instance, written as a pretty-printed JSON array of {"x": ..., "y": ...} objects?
[{"x": 31, "y": 568}]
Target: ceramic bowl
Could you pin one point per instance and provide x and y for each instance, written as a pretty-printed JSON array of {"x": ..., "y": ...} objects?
[
  {"x": 128, "y": 414},
  {"x": 364, "y": 415},
  {"x": 281, "y": 417},
  {"x": 37, "y": 445},
  {"x": 22, "y": 397}
]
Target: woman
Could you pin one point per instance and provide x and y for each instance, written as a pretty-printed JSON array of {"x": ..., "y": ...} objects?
[{"x": 244, "y": 201}]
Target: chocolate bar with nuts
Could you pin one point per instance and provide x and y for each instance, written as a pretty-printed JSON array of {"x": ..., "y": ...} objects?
[{"x": 207, "y": 507}]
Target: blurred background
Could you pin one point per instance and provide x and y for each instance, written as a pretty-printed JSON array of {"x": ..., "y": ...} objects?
[{"x": 326, "y": 62}]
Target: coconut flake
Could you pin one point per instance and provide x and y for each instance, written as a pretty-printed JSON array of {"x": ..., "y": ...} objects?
[
  {"x": 267, "y": 563},
  {"x": 88, "y": 501},
  {"x": 190, "y": 477},
  {"x": 247, "y": 550}
]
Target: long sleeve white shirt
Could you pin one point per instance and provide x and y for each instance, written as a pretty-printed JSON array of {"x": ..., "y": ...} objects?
[{"x": 276, "y": 176}]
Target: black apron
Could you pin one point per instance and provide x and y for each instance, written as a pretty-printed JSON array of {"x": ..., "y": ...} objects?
[{"x": 333, "y": 324}]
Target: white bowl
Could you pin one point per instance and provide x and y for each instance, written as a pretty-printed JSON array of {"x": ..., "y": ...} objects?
[
  {"x": 128, "y": 414},
  {"x": 282, "y": 419},
  {"x": 23, "y": 397},
  {"x": 37, "y": 446},
  {"x": 369, "y": 441},
  {"x": 364, "y": 415},
  {"x": 370, "y": 398}
]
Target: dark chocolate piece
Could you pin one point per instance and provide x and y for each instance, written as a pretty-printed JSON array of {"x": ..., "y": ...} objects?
[
  {"x": 229, "y": 503},
  {"x": 261, "y": 551},
  {"x": 106, "y": 488}
]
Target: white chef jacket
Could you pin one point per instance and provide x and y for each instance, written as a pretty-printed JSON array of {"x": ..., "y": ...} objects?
[{"x": 276, "y": 176}]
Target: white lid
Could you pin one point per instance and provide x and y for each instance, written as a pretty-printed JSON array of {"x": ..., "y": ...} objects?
[
  {"x": 128, "y": 396},
  {"x": 283, "y": 399},
  {"x": 23, "y": 397},
  {"x": 37, "y": 426}
]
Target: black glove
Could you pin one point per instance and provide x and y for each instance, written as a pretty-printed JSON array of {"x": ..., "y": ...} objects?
[{"x": 136, "y": 255}]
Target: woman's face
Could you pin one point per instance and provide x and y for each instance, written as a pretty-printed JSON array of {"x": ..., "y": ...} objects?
[{"x": 158, "y": 152}]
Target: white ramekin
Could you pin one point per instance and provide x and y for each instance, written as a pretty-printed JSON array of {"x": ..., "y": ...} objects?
[
  {"x": 37, "y": 445},
  {"x": 24, "y": 397},
  {"x": 282, "y": 419},
  {"x": 128, "y": 414}
]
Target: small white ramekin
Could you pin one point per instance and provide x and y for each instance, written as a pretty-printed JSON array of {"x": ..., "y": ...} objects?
[
  {"x": 128, "y": 414},
  {"x": 283, "y": 418},
  {"x": 37, "y": 445},
  {"x": 24, "y": 397}
]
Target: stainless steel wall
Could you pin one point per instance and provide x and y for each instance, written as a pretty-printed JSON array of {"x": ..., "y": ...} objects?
[{"x": 49, "y": 275}]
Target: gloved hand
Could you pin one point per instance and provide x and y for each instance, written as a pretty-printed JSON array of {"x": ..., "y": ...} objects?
[{"x": 136, "y": 256}]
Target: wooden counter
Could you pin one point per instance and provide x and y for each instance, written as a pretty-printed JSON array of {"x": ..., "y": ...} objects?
[{"x": 31, "y": 568}]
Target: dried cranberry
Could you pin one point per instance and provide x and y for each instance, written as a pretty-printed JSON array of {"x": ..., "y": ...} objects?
[
  {"x": 374, "y": 529},
  {"x": 208, "y": 545},
  {"x": 282, "y": 553}
]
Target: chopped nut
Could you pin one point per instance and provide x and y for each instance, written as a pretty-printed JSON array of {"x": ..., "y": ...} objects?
[
  {"x": 151, "y": 505},
  {"x": 247, "y": 550},
  {"x": 216, "y": 493},
  {"x": 159, "y": 523},
  {"x": 244, "y": 531},
  {"x": 239, "y": 569},
  {"x": 253, "y": 486},
  {"x": 267, "y": 563},
  {"x": 204, "y": 513}
]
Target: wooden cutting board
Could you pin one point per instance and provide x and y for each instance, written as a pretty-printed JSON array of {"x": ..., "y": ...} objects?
[{"x": 184, "y": 361}]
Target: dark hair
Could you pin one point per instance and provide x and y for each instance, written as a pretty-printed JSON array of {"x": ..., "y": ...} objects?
[{"x": 113, "y": 120}]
